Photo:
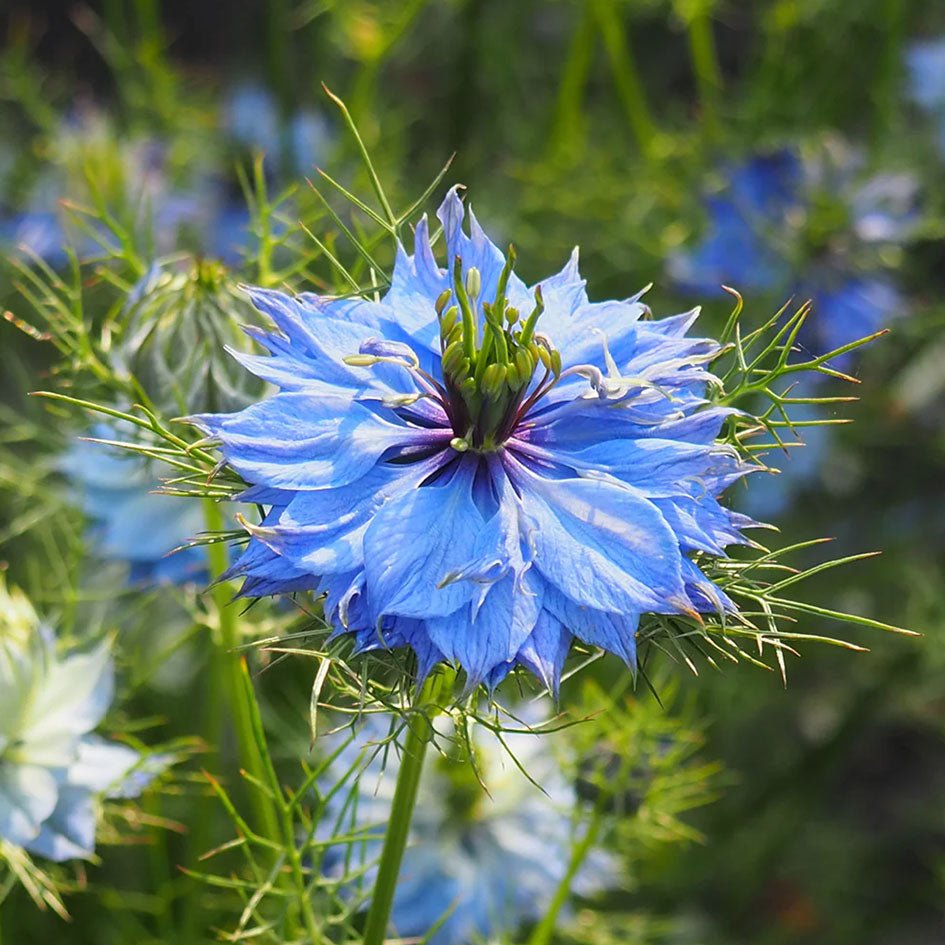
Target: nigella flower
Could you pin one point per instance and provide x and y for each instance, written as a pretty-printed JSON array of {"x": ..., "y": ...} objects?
[
  {"x": 488, "y": 847},
  {"x": 129, "y": 522},
  {"x": 480, "y": 470},
  {"x": 926, "y": 65},
  {"x": 785, "y": 225},
  {"x": 53, "y": 770}
]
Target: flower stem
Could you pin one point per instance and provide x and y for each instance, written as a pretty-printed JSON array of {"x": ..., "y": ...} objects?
[
  {"x": 227, "y": 673},
  {"x": 419, "y": 734},
  {"x": 542, "y": 933},
  {"x": 627, "y": 80},
  {"x": 705, "y": 64}
]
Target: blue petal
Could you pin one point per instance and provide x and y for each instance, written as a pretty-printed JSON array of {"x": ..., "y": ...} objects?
[
  {"x": 613, "y": 632},
  {"x": 301, "y": 441},
  {"x": 701, "y": 523},
  {"x": 479, "y": 251},
  {"x": 28, "y": 795},
  {"x": 546, "y": 649},
  {"x": 417, "y": 541},
  {"x": 660, "y": 467},
  {"x": 604, "y": 545},
  {"x": 484, "y": 636},
  {"x": 69, "y": 832}
]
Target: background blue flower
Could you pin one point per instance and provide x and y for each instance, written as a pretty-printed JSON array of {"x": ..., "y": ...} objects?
[
  {"x": 53, "y": 770},
  {"x": 784, "y": 225},
  {"x": 490, "y": 853},
  {"x": 299, "y": 141},
  {"x": 926, "y": 65},
  {"x": 128, "y": 521}
]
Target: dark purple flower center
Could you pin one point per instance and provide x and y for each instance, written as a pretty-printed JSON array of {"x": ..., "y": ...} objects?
[{"x": 488, "y": 375}]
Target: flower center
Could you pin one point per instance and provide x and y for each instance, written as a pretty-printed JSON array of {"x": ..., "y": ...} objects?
[{"x": 487, "y": 376}]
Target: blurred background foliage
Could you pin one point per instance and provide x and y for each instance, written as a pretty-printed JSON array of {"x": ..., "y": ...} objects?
[{"x": 603, "y": 123}]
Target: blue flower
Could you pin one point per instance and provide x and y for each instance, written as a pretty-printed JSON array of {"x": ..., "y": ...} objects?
[
  {"x": 926, "y": 64},
  {"x": 251, "y": 115},
  {"x": 480, "y": 470},
  {"x": 130, "y": 522},
  {"x": 783, "y": 225},
  {"x": 489, "y": 860},
  {"x": 53, "y": 770},
  {"x": 39, "y": 232}
]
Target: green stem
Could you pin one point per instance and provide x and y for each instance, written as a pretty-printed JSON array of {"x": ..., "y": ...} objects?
[
  {"x": 626, "y": 78},
  {"x": 419, "y": 734},
  {"x": 543, "y": 932},
  {"x": 568, "y": 130},
  {"x": 227, "y": 672},
  {"x": 289, "y": 835},
  {"x": 705, "y": 64},
  {"x": 885, "y": 118}
]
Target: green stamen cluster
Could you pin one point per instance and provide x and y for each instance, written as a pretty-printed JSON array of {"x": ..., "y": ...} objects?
[{"x": 487, "y": 377}]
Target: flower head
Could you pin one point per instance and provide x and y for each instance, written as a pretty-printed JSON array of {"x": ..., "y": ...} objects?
[
  {"x": 811, "y": 227},
  {"x": 176, "y": 325},
  {"x": 488, "y": 848},
  {"x": 482, "y": 470},
  {"x": 52, "y": 769}
]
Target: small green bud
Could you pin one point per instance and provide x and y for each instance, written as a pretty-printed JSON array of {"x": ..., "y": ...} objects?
[
  {"x": 456, "y": 333},
  {"x": 494, "y": 379},
  {"x": 441, "y": 300},
  {"x": 524, "y": 365},
  {"x": 462, "y": 371},
  {"x": 452, "y": 356},
  {"x": 513, "y": 377},
  {"x": 555, "y": 361},
  {"x": 448, "y": 319},
  {"x": 473, "y": 282},
  {"x": 459, "y": 444},
  {"x": 543, "y": 355},
  {"x": 468, "y": 387},
  {"x": 511, "y": 314}
]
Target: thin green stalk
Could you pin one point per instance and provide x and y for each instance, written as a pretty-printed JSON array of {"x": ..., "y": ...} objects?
[
  {"x": 289, "y": 834},
  {"x": 886, "y": 112},
  {"x": 419, "y": 734},
  {"x": 227, "y": 664},
  {"x": 626, "y": 77},
  {"x": 569, "y": 127},
  {"x": 705, "y": 65},
  {"x": 543, "y": 932}
]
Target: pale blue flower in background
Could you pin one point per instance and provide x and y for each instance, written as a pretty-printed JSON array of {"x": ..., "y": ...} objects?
[
  {"x": 799, "y": 464},
  {"x": 300, "y": 140},
  {"x": 811, "y": 226},
  {"x": 925, "y": 61},
  {"x": 37, "y": 232},
  {"x": 482, "y": 514},
  {"x": 53, "y": 769},
  {"x": 488, "y": 861},
  {"x": 129, "y": 521}
]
